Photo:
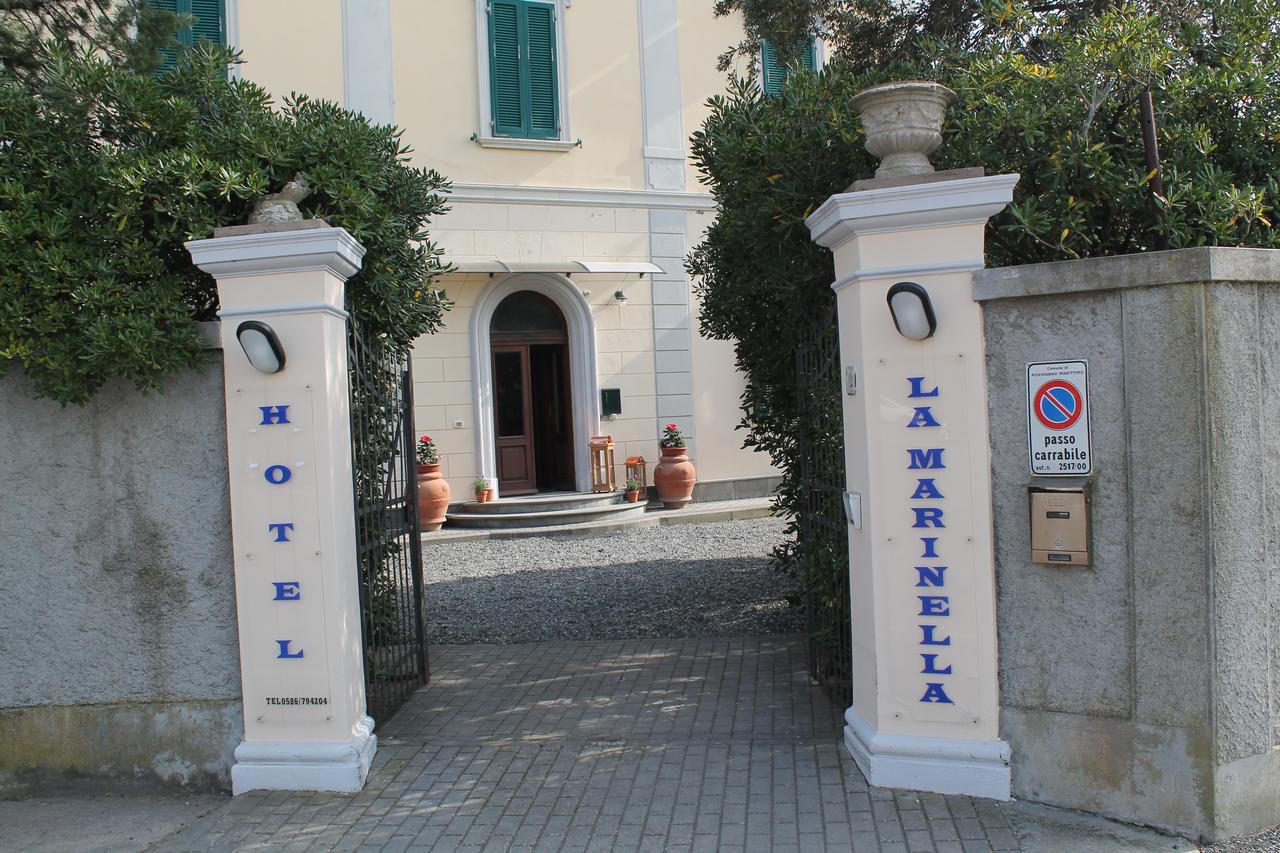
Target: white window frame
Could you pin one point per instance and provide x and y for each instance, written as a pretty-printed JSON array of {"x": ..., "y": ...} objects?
[{"x": 484, "y": 135}]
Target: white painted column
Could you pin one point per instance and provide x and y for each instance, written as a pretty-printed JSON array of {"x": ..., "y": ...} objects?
[
  {"x": 664, "y": 159},
  {"x": 292, "y": 508},
  {"x": 926, "y": 709},
  {"x": 368, "y": 77}
]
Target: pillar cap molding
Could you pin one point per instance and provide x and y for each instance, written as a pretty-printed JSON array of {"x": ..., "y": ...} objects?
[
  {"x": 330, "y": 249},
  {"x": 925, "y": 205}
]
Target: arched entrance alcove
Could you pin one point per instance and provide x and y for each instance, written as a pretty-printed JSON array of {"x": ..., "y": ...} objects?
[{"x": 521, "y": 325}]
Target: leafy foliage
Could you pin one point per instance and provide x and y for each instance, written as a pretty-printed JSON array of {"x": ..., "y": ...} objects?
[
  {"x": 766, "y": 286},
  {"x": 107, "y": 171},
  {"x": 1052, "y": 95},
  {"x": 128, "y": 32}
]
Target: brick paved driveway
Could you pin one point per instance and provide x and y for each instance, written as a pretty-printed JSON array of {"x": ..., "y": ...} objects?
[{"x": 700, "y": 744}]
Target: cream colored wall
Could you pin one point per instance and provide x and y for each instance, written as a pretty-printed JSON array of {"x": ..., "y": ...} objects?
[
  {"x": 717, "y": 394},
  {"x": 443, "y": 390},
  {"x": 703, "y": 37},
  {"x": 438, "y": 96},
  {"x": 293, "y": 46}
]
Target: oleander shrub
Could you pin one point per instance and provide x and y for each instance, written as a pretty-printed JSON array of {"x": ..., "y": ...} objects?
[
  {"x": 1051, "y": 95},
  {"x": 107, "y": 168}
]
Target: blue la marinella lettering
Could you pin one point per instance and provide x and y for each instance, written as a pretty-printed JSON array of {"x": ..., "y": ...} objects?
[
  {"x": 285, "y": 653},
  {"x": 933, "y": 576},
  {"x": 917, "y": 388},
  {"x": 926, "y": 489},
  {"x": 931, "y": 666},
  {"x": 287, "y": 591},
  {"x": 923, "y": 418},
  {"x": 934, "y": 693},
  {"x": 924, "y": 459},
  {"x": 928, "y": 639},
  {"x": 928, "y": 516}
]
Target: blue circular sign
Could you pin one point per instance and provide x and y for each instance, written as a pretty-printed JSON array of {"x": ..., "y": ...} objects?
[{"x": 1058, "y": 404}]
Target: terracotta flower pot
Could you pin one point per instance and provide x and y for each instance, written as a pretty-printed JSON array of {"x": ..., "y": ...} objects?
[
  {"x": 674, "y": 476},
  {"x": 433, "y": 497},
  {"x": 482, "y": 497},
  {"x": 491, "y": 494},
  {"x": 633, "y": 497}
]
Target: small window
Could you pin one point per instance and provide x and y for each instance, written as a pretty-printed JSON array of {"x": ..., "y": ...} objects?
[
  {"x": 523, "y": 77},
  {"x": 775, "y": 73},
  {"x": 210, "y": 24}
]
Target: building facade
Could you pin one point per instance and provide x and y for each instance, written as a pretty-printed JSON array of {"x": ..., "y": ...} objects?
[{"x": 563, "y": 125}]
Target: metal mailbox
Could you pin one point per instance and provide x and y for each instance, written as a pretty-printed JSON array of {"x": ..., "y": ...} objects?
[{"x": 1060, "y": 526}]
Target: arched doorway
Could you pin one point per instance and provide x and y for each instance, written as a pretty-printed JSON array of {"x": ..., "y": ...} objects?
[{"x": 532, "y": 401}]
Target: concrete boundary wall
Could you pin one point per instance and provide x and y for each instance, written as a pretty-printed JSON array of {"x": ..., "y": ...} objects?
[
  {"x": 1146, "y": 686},
  {"x": 118, "y": 617}
]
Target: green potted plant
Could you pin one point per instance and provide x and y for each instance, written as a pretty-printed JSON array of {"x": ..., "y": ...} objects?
[
  {"x": 433, "y": 489},
  {"x": 633, "y": 490},
  {"x": 483, "y": 492},
  {"x": 674, "y": 476}
]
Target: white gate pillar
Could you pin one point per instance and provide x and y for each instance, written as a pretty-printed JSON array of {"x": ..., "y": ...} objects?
[
  {"x": 926, "y": 708},
  {"x": 292, "y": 507}
]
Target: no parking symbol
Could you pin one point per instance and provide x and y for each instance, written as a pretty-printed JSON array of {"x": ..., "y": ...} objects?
[{"x": 1058, "y": 418}]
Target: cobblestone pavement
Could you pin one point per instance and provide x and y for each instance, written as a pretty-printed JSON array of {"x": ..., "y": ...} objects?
[{"x": 631, "y": 745}]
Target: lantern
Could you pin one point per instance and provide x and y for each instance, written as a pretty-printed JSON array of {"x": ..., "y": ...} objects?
[
  {"x": 637, "y": 470},
  {"x": 602, "y": 464}
]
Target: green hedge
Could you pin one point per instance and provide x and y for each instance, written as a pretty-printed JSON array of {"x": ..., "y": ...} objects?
[
  {"x": 1045, "y": 96},
  {"x": 107, "y": 171}
]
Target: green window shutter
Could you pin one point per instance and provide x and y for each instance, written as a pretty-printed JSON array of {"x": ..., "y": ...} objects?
[
  {"x": 504, "y": 68},
  {"x": 169, "y": 55},
  {"x": 523, "y": 78},
  {"x": 775, "y": 73},
  {"x": 210, "y": 22},
  {"x": 541, "y": 59}
]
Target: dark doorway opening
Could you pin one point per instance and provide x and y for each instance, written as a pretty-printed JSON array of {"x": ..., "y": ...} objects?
[{"x": 533, "y": 424}]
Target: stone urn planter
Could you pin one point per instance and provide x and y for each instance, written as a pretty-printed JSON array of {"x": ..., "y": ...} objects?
[
  {"x": 903, "y": 122},
  {"x": 433, "y": 496},
  {"x": 674, "y": 476}
]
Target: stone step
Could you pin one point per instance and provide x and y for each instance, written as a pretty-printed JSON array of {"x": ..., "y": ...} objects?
[
  {"x": 551, "y": 518},
  {"x": 694, "y": 513},
  {"x": 552, "y": 502}
]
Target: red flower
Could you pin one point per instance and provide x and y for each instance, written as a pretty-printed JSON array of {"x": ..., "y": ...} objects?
[
  {"x": 671, "y": 426},
  {"x": 426, "y": 439}
]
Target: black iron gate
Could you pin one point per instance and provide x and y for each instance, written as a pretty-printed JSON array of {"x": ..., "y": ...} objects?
[
  {"x": 822, "y": 551},
  {"x": 389, "y": 551}
]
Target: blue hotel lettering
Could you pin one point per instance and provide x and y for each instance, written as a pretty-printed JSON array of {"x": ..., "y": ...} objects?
[
  {"x": 278, "y": 475},
  {"x": 929, "y": 517}
]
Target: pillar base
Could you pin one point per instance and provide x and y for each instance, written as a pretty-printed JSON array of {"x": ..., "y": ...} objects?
[
  {"x": 976, "y": 768},
  {"x": 306, "y": 765}
]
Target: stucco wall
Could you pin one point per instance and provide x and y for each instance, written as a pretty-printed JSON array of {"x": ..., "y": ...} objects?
[
  {"x": 118, "y": 617},
  {"x": 1144, "y": 686}
]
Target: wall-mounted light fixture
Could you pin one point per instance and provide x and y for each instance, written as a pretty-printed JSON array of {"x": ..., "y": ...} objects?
[
  {"x": 261, "y": 346},
  {"x": 619, "y": 296},
  {"x": 912, "y": 311}
]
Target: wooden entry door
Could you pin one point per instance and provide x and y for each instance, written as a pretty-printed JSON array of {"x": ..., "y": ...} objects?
[{"x": 513, "y": 420}]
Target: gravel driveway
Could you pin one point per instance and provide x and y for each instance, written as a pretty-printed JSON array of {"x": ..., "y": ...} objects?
[{"x": 688, "y": 580}]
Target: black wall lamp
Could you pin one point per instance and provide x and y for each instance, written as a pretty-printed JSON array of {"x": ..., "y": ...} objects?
[
  {"x": 912, "y": 311},
  {"x": 261, "y": 346}
]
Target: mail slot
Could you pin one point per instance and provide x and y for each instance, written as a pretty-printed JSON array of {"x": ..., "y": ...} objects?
[{"x": 1059, "y": 526}]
